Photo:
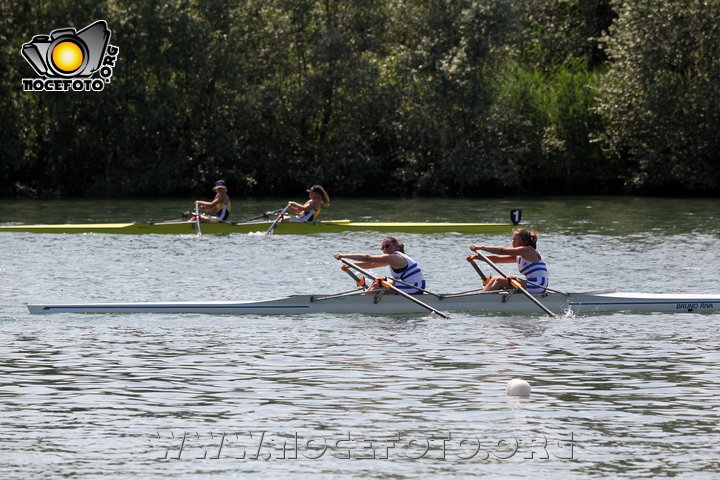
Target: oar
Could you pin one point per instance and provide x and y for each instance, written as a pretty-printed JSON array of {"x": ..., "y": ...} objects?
[
  {"x": 279, "y": 217},
  {"x": 173, "y": 222},
  {"x": 197, "y": 218},
  {"x": 477, "y": 269},
  {"x": 360, "y": 282},
  {"x": 389, "y": 286},
  {"x": 397, "y": 280},
  {"x": 262, "y": 215},
  {"x": 516, "y": 284}
]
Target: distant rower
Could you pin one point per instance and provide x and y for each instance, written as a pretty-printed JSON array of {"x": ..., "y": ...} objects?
[
  {"x": 310, "y": 210},
  {"x": 221, "y": 203}
]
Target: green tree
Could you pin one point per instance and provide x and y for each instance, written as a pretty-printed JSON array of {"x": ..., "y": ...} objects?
[
  {"x": 441, "y": 97},
  {"x": 309, "y": 110},
  {"x": 661, "y": 97},
  {"x": 543, "y": 124},
  {"x": 542, "y": 118},
  {"x": 554, "y": 32},
  {"x": 441, "y": 63}
]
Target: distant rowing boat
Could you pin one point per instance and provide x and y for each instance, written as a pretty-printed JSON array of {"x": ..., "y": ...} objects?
[
  {"x": 355, "y": 302},
  {"x": 329, "y": 226}
]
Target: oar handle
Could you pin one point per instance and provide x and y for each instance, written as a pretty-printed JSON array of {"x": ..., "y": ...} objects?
[
  {"x": 389, "y": 286},
  {"x": 490, "y": 262},
  {"x": 477, "y": 269}
]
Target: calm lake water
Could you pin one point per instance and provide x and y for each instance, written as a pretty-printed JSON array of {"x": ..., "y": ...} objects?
[{"x": 356, "y": 396}]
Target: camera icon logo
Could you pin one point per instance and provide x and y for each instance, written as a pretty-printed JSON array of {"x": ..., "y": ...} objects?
[{"x": 67, "y": 54}]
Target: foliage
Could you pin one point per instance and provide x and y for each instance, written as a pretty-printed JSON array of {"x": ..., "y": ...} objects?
[
  {"x": 661, "y": 97},
  {"x": 543, "y": 126},
  {"x": 557, "y": 31},
  {"x": 371, "y": 97}
]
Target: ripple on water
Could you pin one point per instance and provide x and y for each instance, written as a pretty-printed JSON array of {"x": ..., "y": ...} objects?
[{"x": 110, "y": 395}]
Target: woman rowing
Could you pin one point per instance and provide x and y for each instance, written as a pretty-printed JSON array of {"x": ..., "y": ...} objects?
[
  {"x": 529, "y": 262},
  {"x": 309, "y": 210},
  {"x": 402, "y": 267},
  {"x": 221, "y": 203}
]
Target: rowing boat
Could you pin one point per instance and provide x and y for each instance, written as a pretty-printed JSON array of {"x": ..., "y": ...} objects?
[
  {"x": 503, "y": 302},
  {"x": 328, "y": 226}
]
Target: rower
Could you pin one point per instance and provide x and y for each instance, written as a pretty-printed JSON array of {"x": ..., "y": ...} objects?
[
  {"x": 402, "y": 267},
  {"x": 529, "y": 263},
  {"x": 309, "y": 211},
  {"x": 221, "y": 203}
]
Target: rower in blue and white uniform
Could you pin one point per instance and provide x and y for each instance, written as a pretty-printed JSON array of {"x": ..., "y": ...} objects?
[
  {"x": 529, "y": 262},
  {"x": 402, "y": 267},
  {"x": 536, "y": 274},
  {"x": 410, "y": 274}
]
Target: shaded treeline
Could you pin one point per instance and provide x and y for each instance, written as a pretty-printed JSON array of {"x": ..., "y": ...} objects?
[{"x": 409, "y": 97}]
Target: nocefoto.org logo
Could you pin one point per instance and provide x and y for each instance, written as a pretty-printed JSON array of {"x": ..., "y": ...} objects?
[{"x": 67, "y": 59}]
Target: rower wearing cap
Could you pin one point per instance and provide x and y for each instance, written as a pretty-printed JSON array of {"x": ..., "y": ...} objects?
[
  {"x": 221, "y": 202},
  {"x": 311, "y": 209}
]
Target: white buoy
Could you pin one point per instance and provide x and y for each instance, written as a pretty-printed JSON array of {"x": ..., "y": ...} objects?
[{"x": 518, "y": 388}]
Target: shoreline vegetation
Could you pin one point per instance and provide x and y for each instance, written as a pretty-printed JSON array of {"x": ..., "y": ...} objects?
[{"x": 454, "y": 98}]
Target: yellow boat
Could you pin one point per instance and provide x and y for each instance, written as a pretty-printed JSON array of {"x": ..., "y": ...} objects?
[{"x": 298, "y": 228}]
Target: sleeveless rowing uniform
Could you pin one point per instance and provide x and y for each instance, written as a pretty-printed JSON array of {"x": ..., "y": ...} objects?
[
  {"x": 223, "y": 212},
  {"x": 308, "y": 216},
  {"x": 410, "y": 274},
  {"x": 535, "y": 272}
]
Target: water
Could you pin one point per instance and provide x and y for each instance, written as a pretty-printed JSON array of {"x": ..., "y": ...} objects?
[{"x": 318, "y": 396}]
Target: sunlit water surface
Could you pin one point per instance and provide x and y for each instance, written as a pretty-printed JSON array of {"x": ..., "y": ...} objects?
[{"x": 357, "y": 396}]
